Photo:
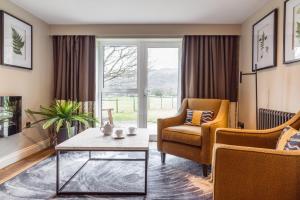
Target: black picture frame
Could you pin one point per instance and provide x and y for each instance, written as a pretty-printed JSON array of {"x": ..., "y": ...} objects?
[
  {"x": 2, "y": 62},
  {"x": 285, "y": 61},
  {"x": 275, "y": 33}
]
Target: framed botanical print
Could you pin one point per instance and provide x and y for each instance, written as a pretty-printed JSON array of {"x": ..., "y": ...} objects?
[
  {"x": 291, "y": 31},
  {"x": 264, "y": 42},
  {"x": 15, "y": 41}
]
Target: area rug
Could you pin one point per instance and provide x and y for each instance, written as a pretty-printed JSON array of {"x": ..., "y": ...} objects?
[{"x": 178, "y": 179}]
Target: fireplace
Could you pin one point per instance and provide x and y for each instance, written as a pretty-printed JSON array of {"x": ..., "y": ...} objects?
[{"x": 10, "y": 115}]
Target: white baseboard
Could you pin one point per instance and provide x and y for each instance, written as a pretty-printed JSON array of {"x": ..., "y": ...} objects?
[{"x": 23, "y": 153}]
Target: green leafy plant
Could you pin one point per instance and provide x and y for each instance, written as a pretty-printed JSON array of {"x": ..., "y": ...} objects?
[
  {"x": 7, "y": 111},
  {"x": 5, "y": 116},
  {"x": 62, "y": 114},
  {"x": 18, "y": 42}
]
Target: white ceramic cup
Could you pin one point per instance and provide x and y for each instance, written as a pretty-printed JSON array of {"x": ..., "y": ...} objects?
[
  {"x": 131, "y": 130},
  {"x": 119, "y": 133}
]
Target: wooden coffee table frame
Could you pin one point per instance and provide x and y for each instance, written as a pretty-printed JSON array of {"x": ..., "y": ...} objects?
[{"x": 59, "y": 190}]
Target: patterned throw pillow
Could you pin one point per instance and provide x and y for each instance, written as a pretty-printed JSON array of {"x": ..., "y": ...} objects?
[
  {"x": 197, "y": 117},
  {"x": 289, "y": 139}
]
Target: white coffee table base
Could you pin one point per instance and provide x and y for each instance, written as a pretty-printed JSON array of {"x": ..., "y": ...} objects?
[{"x": 60, "y": 189}]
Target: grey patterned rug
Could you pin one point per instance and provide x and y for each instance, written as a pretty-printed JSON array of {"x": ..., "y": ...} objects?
[{"x": 177, "y": 179}]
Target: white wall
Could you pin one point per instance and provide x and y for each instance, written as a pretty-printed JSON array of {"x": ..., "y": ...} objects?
[
  {"x": 35, "y": 86},
  {"x": 142, "y": 30},
  {"x": 278, "y": 88}
]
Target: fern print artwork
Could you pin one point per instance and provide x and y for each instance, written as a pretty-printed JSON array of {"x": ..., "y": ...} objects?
[
  {"x": 296, "y": 27},
  {"x": 18, "y": 42},
  {"x": 263, "y": 43},
  {"x": 264, "y": 35}
]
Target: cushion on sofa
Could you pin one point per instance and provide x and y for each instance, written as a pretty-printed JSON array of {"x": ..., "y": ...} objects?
[
  {"x": 184, "y": 134},
  {"x": 197, "y": 117},
  {"x": 289, "y": 139}
]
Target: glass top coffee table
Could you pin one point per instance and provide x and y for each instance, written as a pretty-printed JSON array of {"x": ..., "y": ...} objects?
[{"x": 93, "y": 140}]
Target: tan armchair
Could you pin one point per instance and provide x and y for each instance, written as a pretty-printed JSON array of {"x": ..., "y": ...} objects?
[
  {"x": 247, "y": 166},
  {"x": 192, "y": 142}
]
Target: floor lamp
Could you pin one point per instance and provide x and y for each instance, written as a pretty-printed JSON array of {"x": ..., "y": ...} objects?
[{"x": 256, "y": 99}]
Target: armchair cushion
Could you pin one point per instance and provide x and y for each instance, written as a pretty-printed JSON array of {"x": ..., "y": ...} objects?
[
  {"x": 184, "y": 134},
  {"x": 197, "y": 117},
  {"x": 289, "y": 139}
]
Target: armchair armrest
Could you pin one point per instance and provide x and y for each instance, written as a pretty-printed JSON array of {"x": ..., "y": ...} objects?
[
  {"x": 255, "y": 173},
  {"x": 253, "y": 138},
  {"x": 171, "y": 121},
  {"x": 208, "y": 131}
]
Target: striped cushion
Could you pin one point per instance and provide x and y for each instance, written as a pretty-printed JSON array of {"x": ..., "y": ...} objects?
[
  {"x": 197, "y": 117},
  {"x": 289, "y": 139}
]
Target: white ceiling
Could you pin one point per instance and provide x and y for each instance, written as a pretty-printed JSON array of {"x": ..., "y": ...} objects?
[{"x": 142, "y": 11}]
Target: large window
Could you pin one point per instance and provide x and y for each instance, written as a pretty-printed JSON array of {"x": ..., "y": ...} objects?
[
  {"x": 162, "y": 83},
  {"x": 120, "y": 67},
  {"x": 138, "y": 80}
]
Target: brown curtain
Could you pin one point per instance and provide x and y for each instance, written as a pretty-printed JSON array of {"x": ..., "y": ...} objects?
[
  {"x": 210, "y": 67},
  {"x": 74, "y": 67},
  {"x": 74, "y": 71}
]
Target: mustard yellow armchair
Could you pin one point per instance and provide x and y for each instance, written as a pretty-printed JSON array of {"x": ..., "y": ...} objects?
[
  {"x": 192, "y": 142},
  {"x": 247, "y": 166}
]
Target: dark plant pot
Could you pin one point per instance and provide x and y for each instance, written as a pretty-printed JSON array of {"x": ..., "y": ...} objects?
[{"x": 63, "y": 135}]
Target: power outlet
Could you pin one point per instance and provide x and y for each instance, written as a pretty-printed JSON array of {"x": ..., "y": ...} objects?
[
  {"x": 241, "y": 125},
  {"x": 28, "y": 124}
]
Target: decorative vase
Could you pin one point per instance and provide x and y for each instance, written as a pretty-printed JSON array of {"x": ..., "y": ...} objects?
[{"x": 63, "y": 135}]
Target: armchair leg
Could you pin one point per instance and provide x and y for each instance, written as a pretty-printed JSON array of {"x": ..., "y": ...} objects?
[
  {"x": 205, "y": 170},
  {"x": 163, "y": 157}
]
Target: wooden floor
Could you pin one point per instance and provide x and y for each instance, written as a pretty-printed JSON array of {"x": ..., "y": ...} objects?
[{"x": 20, "y": 166}]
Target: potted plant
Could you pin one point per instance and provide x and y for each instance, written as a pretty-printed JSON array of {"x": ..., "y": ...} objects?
[
  {"x": 61, "y": 116},
  {"x": 6, "y": 114}
]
